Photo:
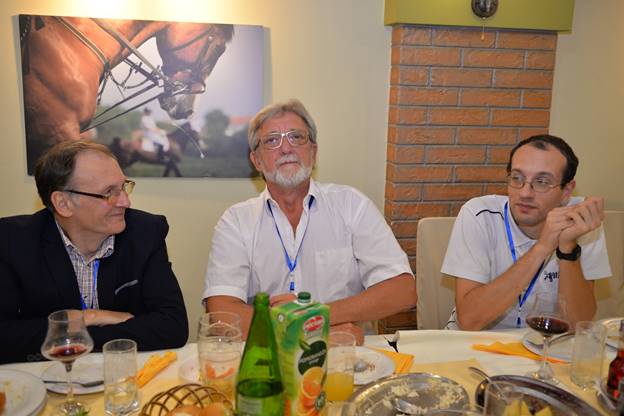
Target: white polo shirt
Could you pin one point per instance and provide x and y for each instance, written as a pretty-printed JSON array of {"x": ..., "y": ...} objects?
[
  {"x": 479, "y": 250},
  {"x": 343, "y": 242}
]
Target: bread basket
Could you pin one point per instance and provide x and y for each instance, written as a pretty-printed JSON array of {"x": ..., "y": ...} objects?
[{"x": 185, "y": 394}]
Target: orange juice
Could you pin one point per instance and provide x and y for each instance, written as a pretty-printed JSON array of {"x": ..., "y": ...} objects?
[
  {"x": 301, "y": 332},
  {"x": 339, "y": 386}
]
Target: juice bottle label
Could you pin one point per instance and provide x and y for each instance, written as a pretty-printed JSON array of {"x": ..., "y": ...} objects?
[{"x": 301, "y": 332}]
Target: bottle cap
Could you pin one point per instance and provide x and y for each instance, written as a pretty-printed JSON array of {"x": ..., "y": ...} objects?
[{"x": 304, "y": 297}]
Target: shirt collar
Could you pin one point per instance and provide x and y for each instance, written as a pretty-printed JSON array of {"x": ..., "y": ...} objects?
[
  {"x": 312, "y": 194},
  {"x": 106, "y": 248}
]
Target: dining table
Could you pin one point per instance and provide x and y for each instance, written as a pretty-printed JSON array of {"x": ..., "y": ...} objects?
[{"x": 445, "y": 353}]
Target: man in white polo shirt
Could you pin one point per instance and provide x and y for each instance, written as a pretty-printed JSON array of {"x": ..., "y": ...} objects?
[
  {"x": 505, "y": 249},
  {"x": 301, "y": 235}
]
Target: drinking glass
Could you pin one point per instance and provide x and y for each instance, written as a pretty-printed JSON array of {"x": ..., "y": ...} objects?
[
  {"x": 502, "y": 398},
  {"x": 67, "y": 339},
  {"x": 121, "y": 395},
  {"x": 548, "y": 317},
  {"x": 587, "y": 353},
  {"x": 340, "y": 360},
  {"x": 219, "y": 347}
]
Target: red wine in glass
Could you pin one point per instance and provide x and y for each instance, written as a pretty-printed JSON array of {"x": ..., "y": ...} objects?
[
  {"x": 67, "y": 353},
  {"x": 67, "y": 339},
  {"x": 548, "y": 325},
  {"x": 548, "y": 317}
]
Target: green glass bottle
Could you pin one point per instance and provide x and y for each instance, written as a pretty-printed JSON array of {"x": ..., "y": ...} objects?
[{"x": 259, "y": 388}]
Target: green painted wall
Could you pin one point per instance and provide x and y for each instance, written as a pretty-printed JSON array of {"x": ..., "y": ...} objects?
[{"x": 512, "y": 14}]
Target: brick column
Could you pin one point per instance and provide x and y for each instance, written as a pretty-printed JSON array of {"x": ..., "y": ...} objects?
[{"x": 458, "y": 104}]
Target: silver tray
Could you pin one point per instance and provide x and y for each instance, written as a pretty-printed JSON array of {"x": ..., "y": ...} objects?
[
  {"x": 539, "y": 395},
  {"x": 425, "y": 390}
]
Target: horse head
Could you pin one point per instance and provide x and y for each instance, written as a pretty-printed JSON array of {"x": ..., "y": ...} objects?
[{"x": 189, "y": 52}]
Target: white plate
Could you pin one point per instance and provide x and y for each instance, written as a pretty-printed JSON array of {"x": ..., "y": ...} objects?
[
  {"x": 613, "y": 331},
  {"x": 561, "y": 350},
  {"x": 25, "y": 393},
  {"x": 87, "y": 368},
  {"x": 378, "y": 365},
  {"x": 189, "y": 370}
]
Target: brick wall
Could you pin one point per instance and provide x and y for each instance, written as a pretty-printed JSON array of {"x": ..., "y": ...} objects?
[{"x": 460, "y": 99}]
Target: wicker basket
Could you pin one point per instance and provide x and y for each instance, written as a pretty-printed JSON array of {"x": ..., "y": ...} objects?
[{"x": 186, "y": 394}]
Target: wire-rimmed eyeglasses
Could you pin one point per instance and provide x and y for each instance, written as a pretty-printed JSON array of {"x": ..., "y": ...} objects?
[
  {"x": 274, "y": 140},
  {"x": 540, "y": 185},
  {"x": 112, "y": 195}
]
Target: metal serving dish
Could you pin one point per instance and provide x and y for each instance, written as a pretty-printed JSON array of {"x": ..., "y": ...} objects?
[
  {"x": 428, "y": 391},
  {"x": 539, "y": 395}
]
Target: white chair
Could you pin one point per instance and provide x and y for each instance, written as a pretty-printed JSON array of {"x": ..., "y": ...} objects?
[{"x": 436, "y": 291}]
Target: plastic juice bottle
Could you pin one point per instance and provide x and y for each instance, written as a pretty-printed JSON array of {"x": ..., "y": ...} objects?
[
  {"x": 302, "y": 330},
  {"x": 259, "y": 388}
]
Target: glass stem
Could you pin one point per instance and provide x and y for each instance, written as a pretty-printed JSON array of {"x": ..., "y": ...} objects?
[
  {"x": 544, "y": 362},
  {"x": 70, "y": 385}
]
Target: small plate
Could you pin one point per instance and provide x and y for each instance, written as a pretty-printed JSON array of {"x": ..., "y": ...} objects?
[
  {"x": 87, "y": 368},
  {"x": 613, "y": 331},
  {"x": 377, "y": 365},
  {"x": 25, "y": 393},
  {"x": 427, "y": 391},
  {"x": 561, "y": 350},
  {"x": 189, "y": 370}
]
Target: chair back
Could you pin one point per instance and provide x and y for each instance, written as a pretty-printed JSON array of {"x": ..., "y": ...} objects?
[{"x": 436, "y": 291}]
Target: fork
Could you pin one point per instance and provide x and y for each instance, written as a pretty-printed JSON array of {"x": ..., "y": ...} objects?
[{"x": 86, "y": 384}]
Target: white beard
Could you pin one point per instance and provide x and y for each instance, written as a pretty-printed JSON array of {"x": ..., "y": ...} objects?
[{"x": 292, "y": 180}]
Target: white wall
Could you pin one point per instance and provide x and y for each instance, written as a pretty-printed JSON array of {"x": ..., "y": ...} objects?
[
  {"x": 333, "y": 55},
  {"x": 588, "y": 93}
]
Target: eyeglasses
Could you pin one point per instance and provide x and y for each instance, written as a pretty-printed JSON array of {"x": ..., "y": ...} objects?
[
  {"x": 540, "y": 185},
  {"x": 274, "y": 140},
  {"x": 112, "y": 195}
]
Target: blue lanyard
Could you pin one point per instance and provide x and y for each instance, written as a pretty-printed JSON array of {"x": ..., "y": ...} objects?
[
  {"x": 290, "y": 263},
  {"x": 522, "y": 297},
  {"x": 96, "y": 266}
]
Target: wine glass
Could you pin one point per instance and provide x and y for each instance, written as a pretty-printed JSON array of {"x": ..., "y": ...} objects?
[
  {"x": 548, "y": 317},
  {"x": 66, "y": 340}
]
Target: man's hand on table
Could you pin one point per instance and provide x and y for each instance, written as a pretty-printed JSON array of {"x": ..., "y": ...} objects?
[
  {"x": 281, "y": 299},
  {"x": 100, "y": 317}
]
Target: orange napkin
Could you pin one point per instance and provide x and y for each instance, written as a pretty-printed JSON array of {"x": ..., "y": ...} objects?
[
  {"x": 402, "y": 362},
  {"x": 512, "y": 348},
  {"x": 154, "y": 365}
]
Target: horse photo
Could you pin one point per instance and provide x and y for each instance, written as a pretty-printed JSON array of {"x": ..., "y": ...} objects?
[{"x": 158, "y": 73}]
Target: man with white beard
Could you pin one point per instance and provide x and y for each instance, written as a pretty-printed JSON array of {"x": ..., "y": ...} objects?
[{"x": 301, "y": 235}]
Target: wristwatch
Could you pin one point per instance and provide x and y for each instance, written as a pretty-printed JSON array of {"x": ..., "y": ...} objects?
[{"x": 572, "y": 256}]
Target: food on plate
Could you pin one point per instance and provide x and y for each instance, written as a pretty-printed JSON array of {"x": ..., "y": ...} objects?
[
  {"x": 2, "y": 401},
  {"x": 212, "y": 409},
  {"x": 523, "y": 410},
  {"x": 154, "y": 365}
]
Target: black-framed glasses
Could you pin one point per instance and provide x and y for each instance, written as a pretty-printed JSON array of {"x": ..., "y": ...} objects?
[
  {"x": 112, "y": 195},
  {"x": 540, "y": 185},
  {"x": 274, "y": 140}
]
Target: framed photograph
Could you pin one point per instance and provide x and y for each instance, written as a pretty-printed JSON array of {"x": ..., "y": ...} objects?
[{"x": 168, "y": 98}]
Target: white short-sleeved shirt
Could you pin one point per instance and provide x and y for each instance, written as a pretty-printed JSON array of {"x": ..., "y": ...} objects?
[
  {"x": 345, "y": 247},
  {"x": 479, "y": 250}
]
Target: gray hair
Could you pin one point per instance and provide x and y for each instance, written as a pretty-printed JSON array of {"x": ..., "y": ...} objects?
[{"x": 275, "y": 110}]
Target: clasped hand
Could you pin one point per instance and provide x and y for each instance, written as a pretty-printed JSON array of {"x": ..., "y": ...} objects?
[{"x": 564, "y": 225}]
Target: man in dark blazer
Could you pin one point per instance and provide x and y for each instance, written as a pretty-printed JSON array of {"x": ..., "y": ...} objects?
[{"x": 87, "y": 251}]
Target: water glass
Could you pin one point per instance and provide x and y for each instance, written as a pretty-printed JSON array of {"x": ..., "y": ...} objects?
[
  {"x": 502, "y": 398},
  {"x": 588, "y": 353},
  {"x": 121, "y": 393},
  {"x": 219, "y": 359},
  {"x": 340, "y": 361},
  {"x": 220, "y": 324}
]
